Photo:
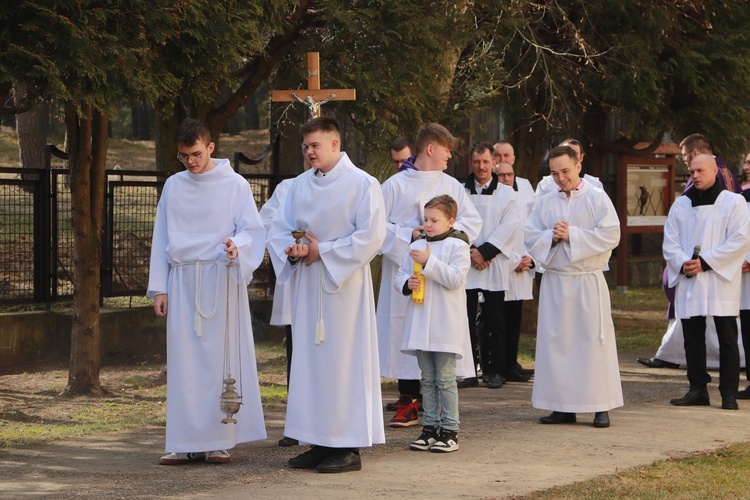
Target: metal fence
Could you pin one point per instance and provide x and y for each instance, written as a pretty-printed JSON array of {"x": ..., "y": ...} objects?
[{"x": 36, "y": 233}]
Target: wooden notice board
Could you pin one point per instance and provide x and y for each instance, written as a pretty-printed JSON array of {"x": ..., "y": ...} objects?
[{"x": 645, "y": 191}]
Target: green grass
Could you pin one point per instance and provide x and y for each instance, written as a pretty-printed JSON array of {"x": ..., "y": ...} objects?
[{"x": 724, "y": 473}]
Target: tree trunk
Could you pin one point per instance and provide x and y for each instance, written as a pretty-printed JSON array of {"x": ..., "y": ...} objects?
[
  {"x": 30, "y": 139},
  {"x": 165, "y": 128},
  {"x": 140, "y": 126},
  {"x": 87, "y": 139}
]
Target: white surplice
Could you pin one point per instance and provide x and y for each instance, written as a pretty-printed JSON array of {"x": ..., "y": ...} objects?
[
  {"x": 521, "y": 284},
  {"x": 404, "y": 193},
  {"x": 281, "y": 310},
  {"x": 722, "y": 230},
  {"x": 334, "y": 392},
  {"x": 548, "y": 184},
  {"x": 434, "y": 325},
  {"x": 745, "y": 288},
  {"x": 188, "y": 262},
  {"x": 576, "y": 354},
  {"x": 502, "y": 229}
]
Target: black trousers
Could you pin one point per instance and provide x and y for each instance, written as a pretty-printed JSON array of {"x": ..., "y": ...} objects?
[
  {"x": 745, "y": 328},
  {"x": 694, "y": 330},
  {"x": 288, "y": 329},
  {"x": 513, "y": 316},
  {"x": 490, "y": 338}
]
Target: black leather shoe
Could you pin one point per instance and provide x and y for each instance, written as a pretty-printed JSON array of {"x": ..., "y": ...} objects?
[
  {"x": 559, "y": 417},
  {"x": 601, "y": 419},
  {"x": 729, "y": 403},
  {"x": 341, "y": 460},
  {"x": 495, "y": 381},
  {"x": 311, "y": 458},
  {"x": 744, "y": 393},
  {"x": 525, "y": 371},
  {"x": 657, "y": 363},
  {"x": 694, "y": 397},
  {"x": 467, "y": 382},
  {"x": 516, "y": 376},
  {"x": 287, "y": 441}
]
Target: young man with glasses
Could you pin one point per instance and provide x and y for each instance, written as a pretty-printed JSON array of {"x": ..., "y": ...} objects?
[{"x": 205, "y": 220}]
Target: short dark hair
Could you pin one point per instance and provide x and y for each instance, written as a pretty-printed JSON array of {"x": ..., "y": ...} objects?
[
  {"x": 434, "y": 132},
  {"x": 562, "y": 151},
  {"x": 445, "y": 204},
  {"x": 321, "y": 124},
  {"x": 191, "y": 131},
  {"x": 401, "y": 143},
  {"x": 480, "y": 147},
  {"x": 696, "y": 141}
]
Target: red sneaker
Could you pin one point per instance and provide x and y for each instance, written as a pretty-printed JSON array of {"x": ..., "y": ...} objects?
[{"x": 407, "y": 413}]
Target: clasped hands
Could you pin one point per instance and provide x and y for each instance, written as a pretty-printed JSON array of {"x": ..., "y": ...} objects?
[
  {"x": 693, "y": 267},
  {"x": 308, "y": 253},
  {"x": 561, "y": 231}
]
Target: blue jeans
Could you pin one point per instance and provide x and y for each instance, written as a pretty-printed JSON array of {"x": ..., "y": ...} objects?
[{"x": 439, "y": 391}]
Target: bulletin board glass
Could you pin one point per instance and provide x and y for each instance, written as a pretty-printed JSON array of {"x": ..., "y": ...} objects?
[{"x": 646, "y": 193}]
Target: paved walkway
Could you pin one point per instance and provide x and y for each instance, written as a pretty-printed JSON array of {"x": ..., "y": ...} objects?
[{"x": 504, "y": 452}]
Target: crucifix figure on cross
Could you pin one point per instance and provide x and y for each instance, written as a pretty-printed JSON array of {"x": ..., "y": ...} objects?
[{"x": 314, "y": 96}]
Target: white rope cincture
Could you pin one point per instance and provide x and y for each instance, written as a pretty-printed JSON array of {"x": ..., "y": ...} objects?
[
  {"x": 198, "y": 313},
  {"x": 320, "y": 334}
]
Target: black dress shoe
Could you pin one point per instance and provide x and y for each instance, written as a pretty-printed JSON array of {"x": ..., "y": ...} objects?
[
  {"x": 467, "y": 382},
  {"x": 341, "y": 460},
  {"x": 744, "y": 393},
  {"x": 559, "y": 417},
  {"x": 311, "y": 458},
  {"x": 287, "y": 441},
  {"x": 657, "y": 363},
  {"x": 601, "y": 419},
  {"x": 495, "y": 381},
  {"x": 525, "y": 371},
  {"x": 729, "y": 403},
  {"x": 694, "y": 397},
  {"x": 516, "y": 376}
]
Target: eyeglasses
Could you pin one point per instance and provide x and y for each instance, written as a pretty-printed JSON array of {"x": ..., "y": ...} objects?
[{"x": 185, "y": 158}]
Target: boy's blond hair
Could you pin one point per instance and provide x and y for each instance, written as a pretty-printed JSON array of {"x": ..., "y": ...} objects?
[{"x": 434, "y": 132}]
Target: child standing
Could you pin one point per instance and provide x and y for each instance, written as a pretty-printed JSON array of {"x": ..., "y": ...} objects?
[{"x": 433, "y": 332}]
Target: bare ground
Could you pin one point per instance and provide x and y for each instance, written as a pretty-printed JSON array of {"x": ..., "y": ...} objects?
[{"x": 504, "y": 451}]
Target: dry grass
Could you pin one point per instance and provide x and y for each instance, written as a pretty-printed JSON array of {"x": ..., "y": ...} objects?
[{"x": 139, "y": 155}]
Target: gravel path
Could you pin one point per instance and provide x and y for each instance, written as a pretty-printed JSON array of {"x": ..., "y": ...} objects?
[{"x": 504, "y": 452}]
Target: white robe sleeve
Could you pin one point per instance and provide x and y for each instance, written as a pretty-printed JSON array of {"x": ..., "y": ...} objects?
[
  {"x": 672, "y": 249},
  {"x": 452, "y": 273},
  {"x": 503, "y": 237},
  {"x": 603, "y": 237},
  {"x": 397, "y": 237},
  {"x": 158, "y": 271},
  {"x": 538, "y": 237},
  {"x": 344, "y": 256},
  {"x": 249, "y": 235},
  {"x": 723, "y": 259}
]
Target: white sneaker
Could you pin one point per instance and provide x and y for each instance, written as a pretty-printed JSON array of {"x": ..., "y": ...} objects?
[
  {"x": 447, "y": 442},
  {"x": 218, "y": 457},
  {"x": 182, "y": 458},
  {"x": 425, "y": 441}
]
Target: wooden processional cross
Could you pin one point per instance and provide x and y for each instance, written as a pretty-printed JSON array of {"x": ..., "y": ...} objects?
[{"x": 313, "y": 97}]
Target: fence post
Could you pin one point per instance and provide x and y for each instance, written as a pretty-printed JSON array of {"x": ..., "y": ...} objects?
[{"x": 42, "y": 233}]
